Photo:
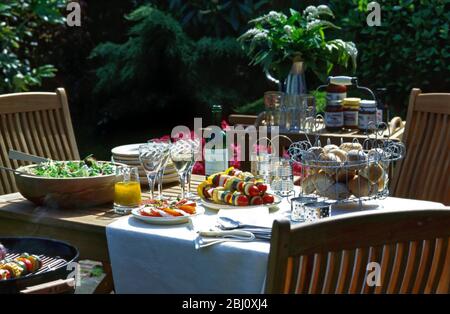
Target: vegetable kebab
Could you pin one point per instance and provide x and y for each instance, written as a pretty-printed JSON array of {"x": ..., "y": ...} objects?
[{"x": 234, "y": 187}]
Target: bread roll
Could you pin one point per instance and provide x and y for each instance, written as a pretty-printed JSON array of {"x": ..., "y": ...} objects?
[
  {"x": 322, "y": 182},
  {"x": 345, "y": 175},
  {"x": 379, "y": 155},
  {"x": 373, "y": 172},
  {"x": 341, "y": 154},
  {"x": 329, "y": 148},
  {"x": 328, "y": 162},
  {"x": 361, "y": 187},
  {"x": 351, "y": 146},
  {"x": 337, "y": 191},
  {"x": 308, "y": 185},
  {"x": 356, "y": 160},
  {"x": 316, "y": 150},
  {"x": 382, "y": 182},
  {"x": 313, "y": 155}
]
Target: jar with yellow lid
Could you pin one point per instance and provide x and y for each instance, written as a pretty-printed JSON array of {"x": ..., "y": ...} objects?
[{"x": 351, "y": 110}]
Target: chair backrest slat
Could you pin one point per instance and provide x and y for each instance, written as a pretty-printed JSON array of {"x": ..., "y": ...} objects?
[
  {"x": 427, "y": 140},
  {"x": 411, "y": 249},
  {"x": 38, "y": 124}
]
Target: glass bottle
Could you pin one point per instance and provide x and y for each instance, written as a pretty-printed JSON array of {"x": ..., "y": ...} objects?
[{"x": 216, "y": 152}]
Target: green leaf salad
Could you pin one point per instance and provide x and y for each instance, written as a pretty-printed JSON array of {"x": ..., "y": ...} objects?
[{"x": 88, "y": 167}]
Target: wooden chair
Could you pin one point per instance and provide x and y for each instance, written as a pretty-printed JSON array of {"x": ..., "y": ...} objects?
[
  {"x": 423, "y": 174},
  {"x": 331, "y": 256},
  {"x": 38, "y": 124}
]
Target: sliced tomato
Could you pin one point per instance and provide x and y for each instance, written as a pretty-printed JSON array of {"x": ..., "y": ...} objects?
[
  {"x": 27, "y": 263},
  {"x": 253, "y": 190},
  {"x": 256, "y": 200},
  {"x": 242, "y": 200},
  {"x": 181, "y": 202},
  {"x": 268, "y": 199},
  {"x": 262, "y": 187}
]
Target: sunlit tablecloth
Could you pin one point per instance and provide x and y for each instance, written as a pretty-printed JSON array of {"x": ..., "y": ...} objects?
[{"x": 149, "y": 258}]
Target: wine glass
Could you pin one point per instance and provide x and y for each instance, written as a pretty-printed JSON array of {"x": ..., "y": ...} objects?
[
  {"x": 164, "y": 145},
  {"x": 182, "y": 155},
  {"x": 150, "y": 156},
  {"x": 195, "y": 143}
]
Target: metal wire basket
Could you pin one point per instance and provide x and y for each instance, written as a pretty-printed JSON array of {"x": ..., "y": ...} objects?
[{"x": 350, "y": 172}]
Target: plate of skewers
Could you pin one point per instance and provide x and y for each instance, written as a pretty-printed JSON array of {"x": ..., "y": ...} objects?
[
  {"x": 165, "y": 212},
  {"x": 235, "y": 189}
]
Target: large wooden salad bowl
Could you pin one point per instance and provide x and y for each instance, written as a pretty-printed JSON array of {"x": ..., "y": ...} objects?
[{"x": 65, "y": 193}]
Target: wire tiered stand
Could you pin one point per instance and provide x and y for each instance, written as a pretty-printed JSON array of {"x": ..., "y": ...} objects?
[{"x": 349, "y": 175}]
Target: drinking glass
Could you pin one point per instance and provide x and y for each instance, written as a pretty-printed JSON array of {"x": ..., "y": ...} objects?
[
  {"x": 271, "y": 115},
  {"x": 195, "y": 143},
  {"x": 282, "y": 179},
  {"x": 182, "y": 155},
  {"x": 307, "y": 110},
  {"x": 127, "y": 190},
  {"x": 261, "y": 165},
  {"x": 292, "y": 104},
  {"x": 151, "y": 157},
  {"x": 165, "y": 152}
]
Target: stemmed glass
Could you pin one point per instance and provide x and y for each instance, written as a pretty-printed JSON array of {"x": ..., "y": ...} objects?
[
  {"x": 151, "y": 159},
  {"x": 182, "y": 155},
  {"x": 165, "y": 152},
  {"x": 195, "y": 143}
]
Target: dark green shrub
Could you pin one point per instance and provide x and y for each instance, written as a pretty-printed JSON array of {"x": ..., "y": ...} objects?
[
  {"x": 160, "y": 69},
  {"x": 410, "y": 49}
]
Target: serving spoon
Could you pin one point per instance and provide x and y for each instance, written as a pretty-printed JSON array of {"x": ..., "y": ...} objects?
[
  {"x": 16, "y": 155},
  {"x": 227, "y": 223}
]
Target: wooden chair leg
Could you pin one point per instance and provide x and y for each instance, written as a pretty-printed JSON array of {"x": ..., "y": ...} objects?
[{"x": 106, "y": 286}]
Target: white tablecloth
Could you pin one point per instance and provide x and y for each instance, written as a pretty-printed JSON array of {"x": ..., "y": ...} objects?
[{"x": 162, "y": 259}]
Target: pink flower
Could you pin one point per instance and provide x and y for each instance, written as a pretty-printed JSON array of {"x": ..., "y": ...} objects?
[
  {"x": 235, "y": 163},
  {"x": 224, "y": 125},
  {"x": 296, "y": 169},
  {"x": 259, "y": 148},
  {"x": 198, "y": 168}
]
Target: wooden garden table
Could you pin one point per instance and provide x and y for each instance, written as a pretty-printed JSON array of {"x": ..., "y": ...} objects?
[{"x": 83, "y": 228}]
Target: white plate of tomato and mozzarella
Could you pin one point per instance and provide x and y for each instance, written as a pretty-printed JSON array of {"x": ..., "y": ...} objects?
[{"x": 167, "y": 213}]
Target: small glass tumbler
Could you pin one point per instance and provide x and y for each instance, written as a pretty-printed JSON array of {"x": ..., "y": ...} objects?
[
  {"x": 127, "y": 190},
  {"x": 261, "y": 166},
  {"x": 282, "y": 179},
  {"x": 298, "y": 207},
  {"x": 316, "y": 210}
]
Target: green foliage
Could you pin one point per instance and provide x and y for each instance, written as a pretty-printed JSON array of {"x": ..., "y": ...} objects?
[
  {"x": 156, "y": 60},
  {"x": 254, "y": 107},
  {"x": 219, "y": 18},
  {"x": 276, "y": 39},
  {"x": 159, "y": 66},
  {"x": 410, "y": 49},
  {"x": 19, "y": 23}
]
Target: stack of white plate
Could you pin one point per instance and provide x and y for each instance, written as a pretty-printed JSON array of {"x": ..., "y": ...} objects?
[{"x": 129, "y": 155}]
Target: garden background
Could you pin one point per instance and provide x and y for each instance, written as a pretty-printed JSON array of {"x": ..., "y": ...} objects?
[{"x": 135, "y": 68}]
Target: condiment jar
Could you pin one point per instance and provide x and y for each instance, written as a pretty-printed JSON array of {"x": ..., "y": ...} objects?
[
  {"x": 351, "y": 109},
  {"x": 336, "y": 92},
  {"x": 334, "y": 116},
  {"x": 367, "y": 114}
]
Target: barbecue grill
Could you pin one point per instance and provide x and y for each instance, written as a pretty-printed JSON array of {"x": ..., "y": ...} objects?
[{"x": 55, "y": 257}]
